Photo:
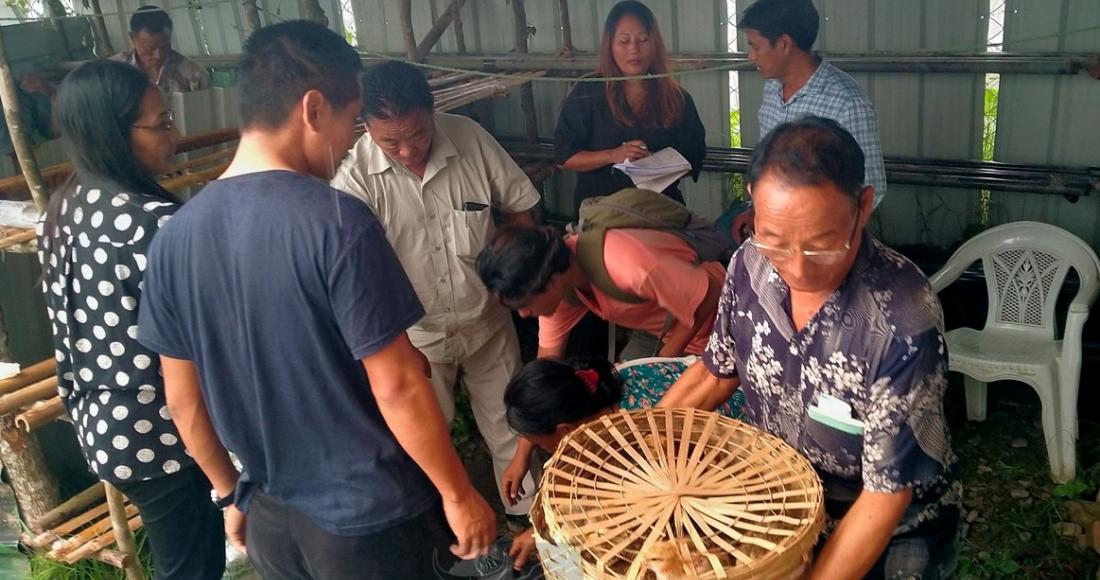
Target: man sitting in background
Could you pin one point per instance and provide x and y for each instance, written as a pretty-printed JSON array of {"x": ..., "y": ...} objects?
[{"x": 151, "y": 51}]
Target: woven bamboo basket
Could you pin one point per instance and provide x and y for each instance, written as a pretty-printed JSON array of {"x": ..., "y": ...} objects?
[{"x": 676, "y": 493}]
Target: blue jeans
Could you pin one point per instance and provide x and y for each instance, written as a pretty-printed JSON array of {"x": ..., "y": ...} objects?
[{"x": 930, "y": 552}]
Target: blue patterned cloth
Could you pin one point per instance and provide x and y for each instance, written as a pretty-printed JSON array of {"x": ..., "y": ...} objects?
[
  {"x": 833, "y": 94},
  {"x": 876, "y": 344},
  {"x": 644, "y": 383}
]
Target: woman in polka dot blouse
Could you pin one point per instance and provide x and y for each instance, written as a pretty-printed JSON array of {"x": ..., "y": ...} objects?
[{"x": 92, "y": 244}]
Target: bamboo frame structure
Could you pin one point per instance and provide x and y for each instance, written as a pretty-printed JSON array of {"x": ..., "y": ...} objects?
[
  {"x": 40, "y": 414},
  {"x": 28, "y": 376},
  {"x": 676, "y": 493},
  {"x": 73, "y": 506},
  {"x": 35, "y": 392}
]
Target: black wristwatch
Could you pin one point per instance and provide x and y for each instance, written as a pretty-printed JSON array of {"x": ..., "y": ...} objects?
[{"x": 221, "y": 502}]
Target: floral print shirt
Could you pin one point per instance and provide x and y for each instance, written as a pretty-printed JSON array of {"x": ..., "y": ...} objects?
[{"x": 877, "y": 344}]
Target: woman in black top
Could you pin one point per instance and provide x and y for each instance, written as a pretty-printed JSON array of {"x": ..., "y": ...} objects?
[
  {"x": 603, "y": 123},
  {"x": 93, "y": 244}
]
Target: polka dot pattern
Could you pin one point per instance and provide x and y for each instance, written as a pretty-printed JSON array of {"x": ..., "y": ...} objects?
[{"x": 110, "y": 384}]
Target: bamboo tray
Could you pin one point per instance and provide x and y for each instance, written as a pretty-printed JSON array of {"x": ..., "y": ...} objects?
[{"x": 676, "y": 493}]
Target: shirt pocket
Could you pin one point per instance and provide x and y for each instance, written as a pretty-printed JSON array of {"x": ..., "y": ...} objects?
[
  {"x": 471, "y": 231},
  {"x": 833, "y": 450}
]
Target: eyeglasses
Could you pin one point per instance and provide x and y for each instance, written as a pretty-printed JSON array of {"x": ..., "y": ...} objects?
[
  {"x": 823, "y": 257},
  {"x": 165, "y": 127}
]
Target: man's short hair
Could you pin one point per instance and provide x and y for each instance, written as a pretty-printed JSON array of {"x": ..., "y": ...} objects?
[
  {"x": 810, "y": 151},
  {"x": 774, "y": 18},
  {"x": 394, "y": 89},
  {"x": 151, "y": 19},
  {"x": 281, "y": 62}
]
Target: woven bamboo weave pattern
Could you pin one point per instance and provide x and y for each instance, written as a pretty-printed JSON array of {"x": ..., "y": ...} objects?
[{"x": 676, "y": 493}]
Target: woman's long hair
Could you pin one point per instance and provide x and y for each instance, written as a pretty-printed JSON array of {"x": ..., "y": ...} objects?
[
  {"x": 549, "y": 392},
  {"x": 97, "y": 106},
  {"x": 664, "y": 97}
]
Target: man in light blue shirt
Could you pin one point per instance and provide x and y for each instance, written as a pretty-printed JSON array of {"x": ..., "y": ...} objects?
[{"x": 781, "y": 35}]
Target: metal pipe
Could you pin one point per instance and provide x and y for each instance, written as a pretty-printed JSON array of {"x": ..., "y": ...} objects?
[
  {"x": 963, "y": 63},
  {"x": 965, "y": 173}
]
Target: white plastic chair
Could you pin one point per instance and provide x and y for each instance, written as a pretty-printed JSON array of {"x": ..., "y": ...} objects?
[{"x": 1025, "y": 264}]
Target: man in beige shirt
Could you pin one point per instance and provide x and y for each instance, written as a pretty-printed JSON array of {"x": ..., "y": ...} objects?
[{"x": 433, "y": 180}]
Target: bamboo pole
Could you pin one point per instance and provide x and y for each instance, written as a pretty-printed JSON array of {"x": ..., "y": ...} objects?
[
  {"x": 954, "y": 63},
  {"x": 251, "y": 16},
  {"x": 438, "y": 28},
  {"x": 567, "y": 48},
  {"x": 28, "y": 376},
  {"x": 70, "y": 508},
  {"x": 527, "y": 95},
  {"x": 196, "y": 178},
  {"x": 114, "y": 558},
  {"x": 124, "y": 535},
  {"x": 405, "y": 12},
  {"x": 54, "y": 175},
  {"x": 20, "y": 237},
  {"x": 43, "y": 389},
  {"x": 460, "y": 36},
  {"x": 34, "y": 487},
  {"x": 100, "y": 37},
  {"x": 39, "y": 414},
  {"x": 95, "y": 529},
  {"x": 311, "y": 10},
  {"x": 60, "y": 531},
  {"x": 23, "y": 151},
  {"x": 103, "y": 540}
]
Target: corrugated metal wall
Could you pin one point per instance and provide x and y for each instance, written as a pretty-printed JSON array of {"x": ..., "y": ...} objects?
[
  {"x": 920, "y": 115},
  {"x": 1042, "y": 118},
  {"x": 1050, "y": 120},
  {"x": 687, "y": 25}
]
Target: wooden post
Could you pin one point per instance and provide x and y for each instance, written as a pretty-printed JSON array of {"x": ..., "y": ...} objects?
[
  {"x": 405, "y": 12},
  {"x": 251, "y": 16},
  {"x": 311, "y": 10},
  {"x": 123, "y": 535},
  {"x": 527, "y": 96},
  {"x": 34, "y": 486},
  {"x": 102, "y": 40},
  {"x": 567, "y": 48},
  {"x": 460, "y": 37},
  {"x": 438, "y": 27},
  {"x": 23, "y": 151}
]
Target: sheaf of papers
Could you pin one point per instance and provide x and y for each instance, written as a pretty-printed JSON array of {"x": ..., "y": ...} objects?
[{"x": 657, "y": 171}]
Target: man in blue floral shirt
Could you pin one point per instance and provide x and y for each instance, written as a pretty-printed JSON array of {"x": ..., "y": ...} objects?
[{"x": 837, "y": 343}]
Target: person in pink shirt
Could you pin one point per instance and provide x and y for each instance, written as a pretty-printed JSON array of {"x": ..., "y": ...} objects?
[{"x": 536, "y": 272}]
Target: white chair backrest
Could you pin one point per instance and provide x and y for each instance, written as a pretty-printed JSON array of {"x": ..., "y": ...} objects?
[{"x": 1025, "y": 264}]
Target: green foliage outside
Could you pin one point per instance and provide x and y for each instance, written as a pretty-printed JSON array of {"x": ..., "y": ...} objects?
[{"x": 737, "y": 182}]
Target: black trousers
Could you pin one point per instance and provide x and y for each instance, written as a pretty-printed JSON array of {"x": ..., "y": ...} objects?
[
  {"x": 185, "y": 530},
  {"x": 285, "y": 544}
]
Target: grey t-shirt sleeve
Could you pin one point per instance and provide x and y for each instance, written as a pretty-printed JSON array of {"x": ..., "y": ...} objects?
[{"x": 372, "y": 298}]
